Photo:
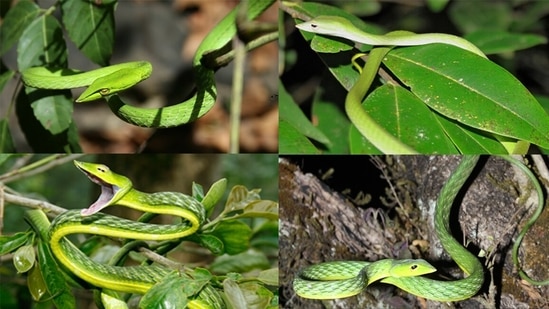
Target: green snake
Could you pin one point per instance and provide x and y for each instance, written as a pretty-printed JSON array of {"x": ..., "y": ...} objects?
[
  {"x": 347, "y": 278},
  {"x": 365, "y": 124},
  {"x": 108, "y": 81},
  {"x": 118, "y": 190},
  {"x": 402, "y": 278}
]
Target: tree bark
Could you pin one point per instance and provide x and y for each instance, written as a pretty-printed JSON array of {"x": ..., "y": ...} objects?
[{"x": 319, "y": 224}]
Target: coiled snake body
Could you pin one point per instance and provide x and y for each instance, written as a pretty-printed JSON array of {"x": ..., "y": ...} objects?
[{"x": 326, "y": 280}]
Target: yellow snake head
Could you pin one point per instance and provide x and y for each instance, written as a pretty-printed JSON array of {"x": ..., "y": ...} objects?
[
  {"x": 411, "y": 268},
  {"x": 113, "y": 186},
  {"x": 115, "y": 82}
]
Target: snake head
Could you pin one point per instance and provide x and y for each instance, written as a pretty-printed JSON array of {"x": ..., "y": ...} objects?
[
  {"x": 110, "y": 84},
  {"x": 113, "y": 186},
  {"x": 411, "y": 268}
]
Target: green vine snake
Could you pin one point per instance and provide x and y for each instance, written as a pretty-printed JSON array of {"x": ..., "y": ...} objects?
[
  {"x": 108, "y": 81},
  {"x": 367, "y": 126},
  {"x": 118, "y": 190},
  {"x": 347, "y": 278}
]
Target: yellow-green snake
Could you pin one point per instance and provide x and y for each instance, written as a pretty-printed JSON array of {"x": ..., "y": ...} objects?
[
  {"x": 118, "y": 190},
  {"x": 365, "y": 124},
  {"x": 347, "y": 278},
  {"x": 108, "y": 81}
]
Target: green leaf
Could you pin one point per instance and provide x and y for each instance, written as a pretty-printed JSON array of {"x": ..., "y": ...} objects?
[
  {"x": 471, "y": 90},
  {"x": 198, "y": 191},
  {"x": 292, "y": 141},
  {"x": 214, "y": 194},
  {"x": 6, "y": 141},
  {"x": 240, "y": 263},
  {"x": 112, "y": 302},
  {"x": 91, "y": 28},
  {"x": 235, "y": 236},
  {"x": 15, "y": 22},
  {"x": 437, "y": 5},
  {"x": 294, "y": 116},
  {"x": 12, "y": 242},
  {"x": 53, "y": 111},
  {"x": 469, "y": 16},
  {"x": 5, "y": 76},
  {"x": 260, "y": 208},
  {"x": 240, "y": 197},
  {"x": 174, "y": 290},
  {"x": 4, "y": 157},
  {"x": 497, "y": 41},
  {"x": 329, "y": 44},
  {"x": 250, "y": 295},
  {"x": 398, "y": 111},
  {"x": 269, "y": 276},
  {"x": 35, "y": 282},
  {"x": 210, "y": 242},
  {"x": 42, "y": 44},
  {"x": 53, "y": 276},
  {"x": 23, "y": 258},
  {"x": 331, "y": 117},
  {"x": 40, "y": 139},
  {"x": 469, "y": 140},
  {"x": 166, "y": 294}
]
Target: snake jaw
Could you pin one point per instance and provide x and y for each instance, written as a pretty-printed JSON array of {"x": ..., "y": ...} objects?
[
  {"x": 113, "y": 186},
  {"x": 108, "y": 192}
]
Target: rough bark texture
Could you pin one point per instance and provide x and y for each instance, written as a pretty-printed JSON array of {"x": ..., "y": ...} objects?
[{"x": 318, "y": 224}]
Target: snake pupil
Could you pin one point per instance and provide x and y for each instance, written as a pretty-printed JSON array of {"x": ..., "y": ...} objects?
[{"x": 413, "y": 266}]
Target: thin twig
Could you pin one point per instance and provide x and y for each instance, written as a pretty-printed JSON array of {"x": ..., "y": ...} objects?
[
  {"x": 32, "y": 203},
  {"x": 38, "y": 167}
]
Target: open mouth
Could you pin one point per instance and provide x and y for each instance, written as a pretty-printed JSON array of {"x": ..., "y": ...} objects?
[{"x": 107, "y": 194}]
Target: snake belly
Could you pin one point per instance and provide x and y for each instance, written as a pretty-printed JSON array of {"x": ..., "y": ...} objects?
[{"x": 420, "y": 286}]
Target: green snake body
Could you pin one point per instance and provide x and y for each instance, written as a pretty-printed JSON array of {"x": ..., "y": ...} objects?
[
  {"x": 107, "y": 82},
  {"x": 348, "y": 278},
  {"x": 120, "y": 77},
  {"x": 131, "y": 279},
  {"x": 313, "y": 282},
  {"x": 343, "y": 28},
  {"x": 118, "y": 190},
  {"x": 367, "y": 126}
]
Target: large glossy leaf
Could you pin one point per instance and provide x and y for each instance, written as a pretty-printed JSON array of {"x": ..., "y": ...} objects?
[
  {"x": 294, "y": 116},
  {"x": 91, "y": 28},
  {"x": 471, "y": 90},
  {"x": 498, "y": 41},
  {"x": 332, "y": 119},
  {"x": 398, "y": 111},
  {"x": 292, "y": 141},
  {"x": 42, "y": 44},
  {"x": 15, "y": 22}
]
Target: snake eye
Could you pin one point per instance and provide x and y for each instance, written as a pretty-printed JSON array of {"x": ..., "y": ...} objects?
[
  {"x": 104, "y": 91},
  {"x": 102, "y": 169},
  {"x": 413, "y": 266}
]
